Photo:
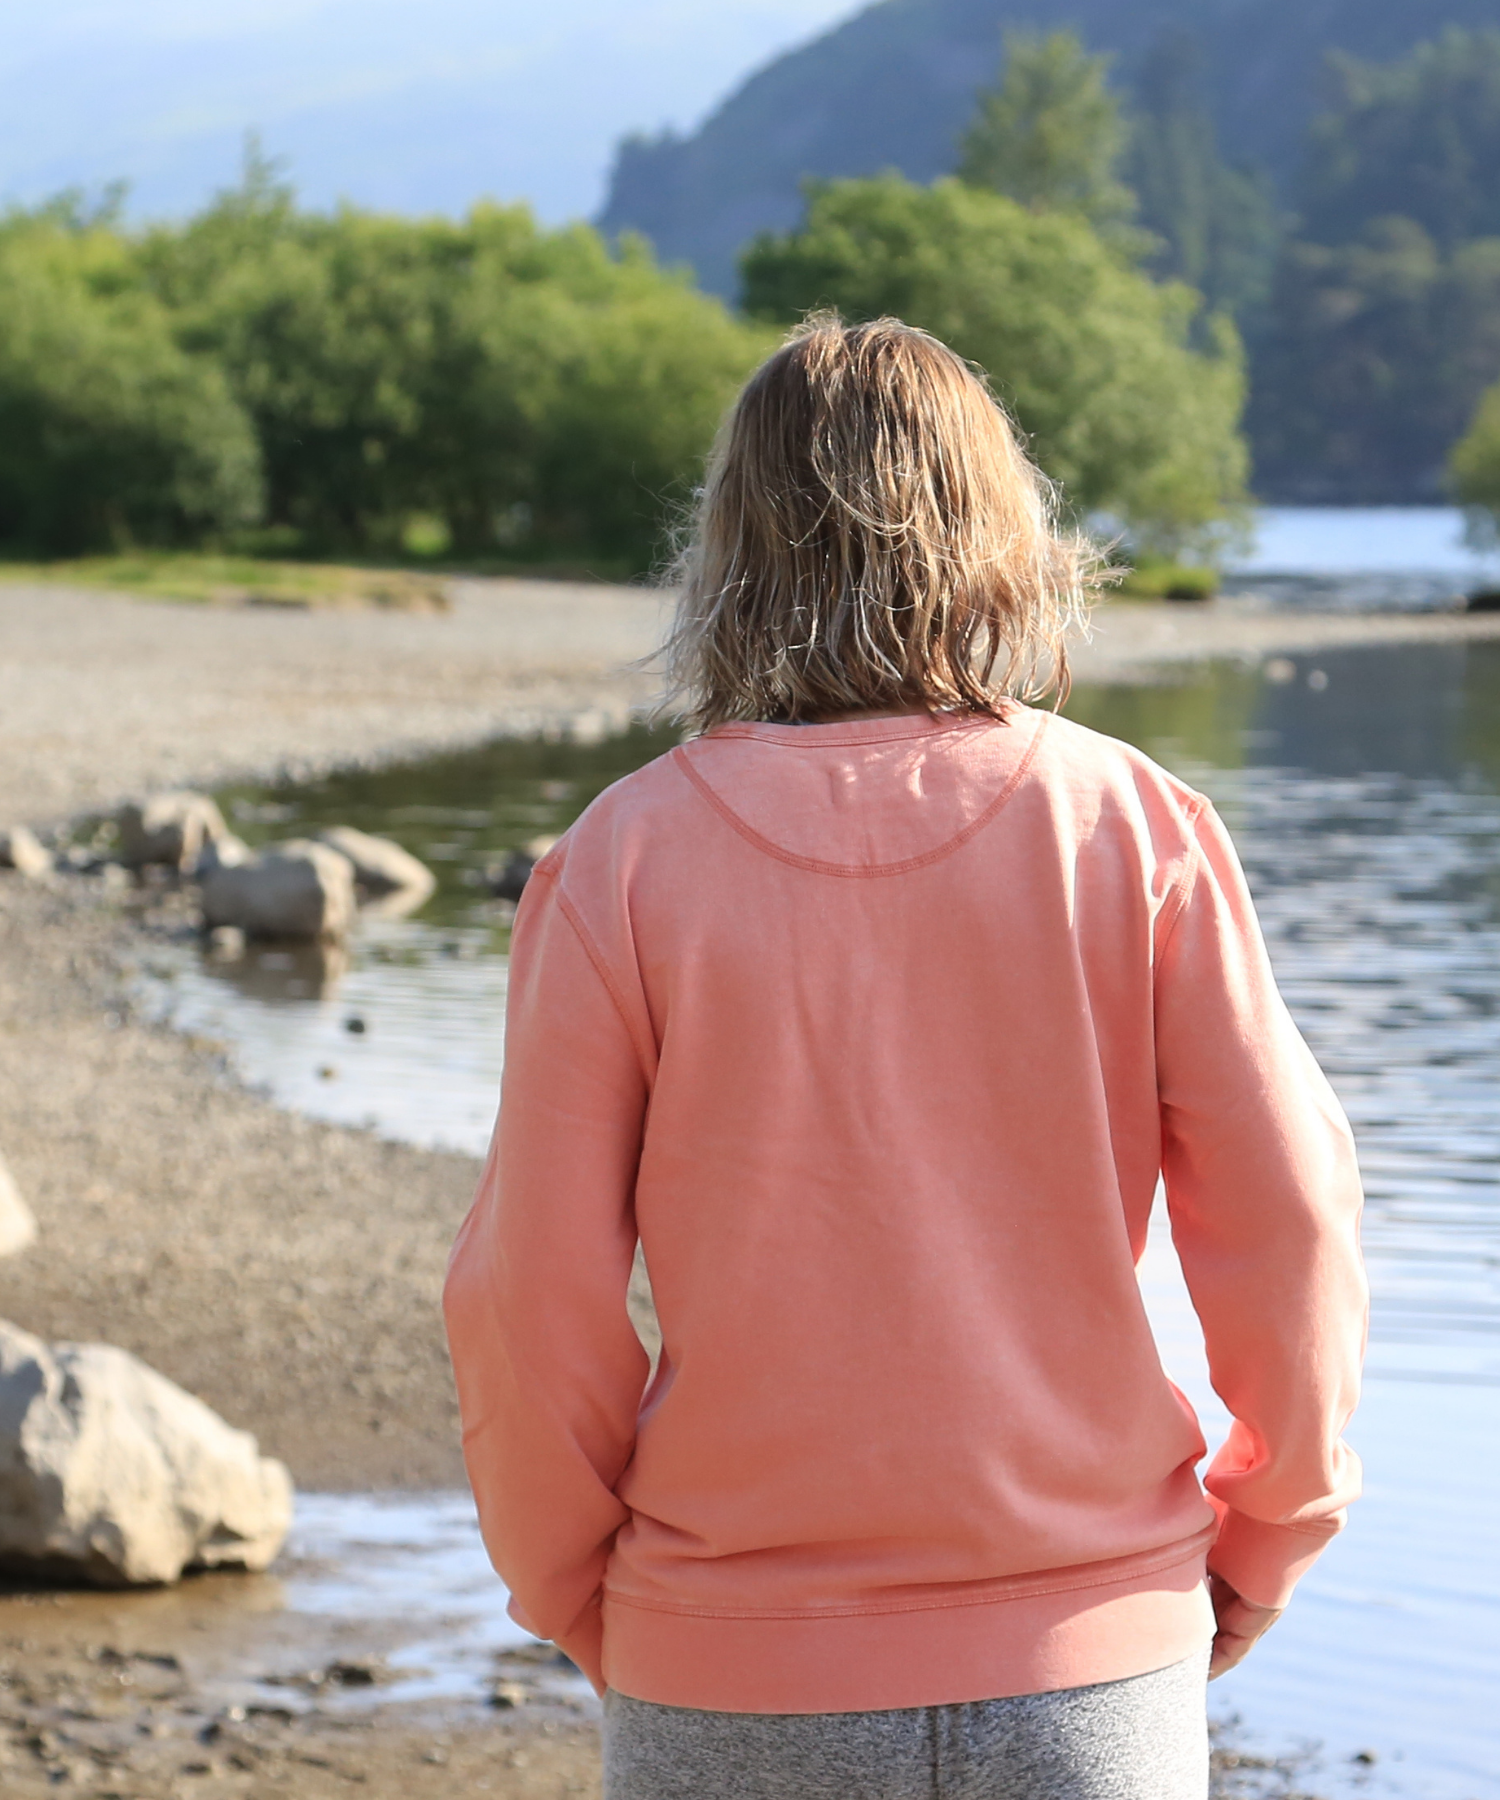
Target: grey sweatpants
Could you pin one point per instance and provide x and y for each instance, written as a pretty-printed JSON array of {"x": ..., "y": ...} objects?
[{"x": 1145, "y": 1738}]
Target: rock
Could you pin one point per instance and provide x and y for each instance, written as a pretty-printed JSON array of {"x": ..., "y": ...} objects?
[
  {"x": 380, "y": 865},
  {"x": 17, "y": 1226},
  {"x": 508, "y": 879},
  {"x": 296, "y": 890},
  {"x": 168, "y": 828},
  {"x": 226, "y": 943},
  {"x": 20, "y": 850},
  {"x": 112, "y": 1474},
  {"x": 226, "y": 852}
]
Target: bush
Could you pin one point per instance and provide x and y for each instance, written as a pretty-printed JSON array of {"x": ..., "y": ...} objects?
[
  {"x": 109, "y": 432},
  {"x": 487, "y": 383},
  {"x": 1475, "y": 463},
  {"x": 1095, "y": 361}
]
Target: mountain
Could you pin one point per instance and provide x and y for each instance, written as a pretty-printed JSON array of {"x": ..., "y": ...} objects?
[{"x": 894, "y": 86}]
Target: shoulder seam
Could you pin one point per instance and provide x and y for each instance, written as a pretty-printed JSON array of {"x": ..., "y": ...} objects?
[
  {"x": 1176, "y": 901},
  {"x": 601, "y": 968}
]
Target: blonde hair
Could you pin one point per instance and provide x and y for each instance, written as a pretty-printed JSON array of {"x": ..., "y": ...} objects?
[{"x": 870, "y": 534}]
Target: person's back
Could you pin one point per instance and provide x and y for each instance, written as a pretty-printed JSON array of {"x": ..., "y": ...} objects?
[{"x": 878, "y": 1032}]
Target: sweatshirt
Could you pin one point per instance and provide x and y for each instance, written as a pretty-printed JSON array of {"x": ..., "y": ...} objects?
[{"x": 878, "y": 1037}]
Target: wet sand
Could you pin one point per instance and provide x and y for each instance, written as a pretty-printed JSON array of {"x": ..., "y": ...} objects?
[{"x": 287, "y": 1271}]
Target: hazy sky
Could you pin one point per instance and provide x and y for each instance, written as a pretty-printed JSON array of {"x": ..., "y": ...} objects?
[{"x": 412, "y": 104}]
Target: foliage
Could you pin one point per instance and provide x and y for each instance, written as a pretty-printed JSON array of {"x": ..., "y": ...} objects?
[
  {"x": 357, "y": 383},
  {"x": 1384, "y": 320},
  {"x": 109, "y": 430},
  {"x": 1049, "y": 134},
  {"x": 1419, "y": 137},
  {"x": 1092, "y": 358},
  {"x": 1216, "y": 227},
  {"x": 1150, "y": 579},
  {"x": 1475, "y": 460},
  {"x": 1369, "y": 374},
  {"x": 219, "y": 580},
  {"x": 492, "y": 384}
]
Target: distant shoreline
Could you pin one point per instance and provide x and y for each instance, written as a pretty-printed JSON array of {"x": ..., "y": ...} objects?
[{"x": 105, "y": 697}]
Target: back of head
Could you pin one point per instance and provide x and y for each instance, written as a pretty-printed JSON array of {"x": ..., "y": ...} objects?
[{"x": 870, "y": 535}]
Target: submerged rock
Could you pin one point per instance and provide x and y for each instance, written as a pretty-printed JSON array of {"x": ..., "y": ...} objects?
[
  {"x": 169, "y": 828},
  {"x": 21, "y": 850},
  {"x": 508, "y": 879},
  {"x": 380, "y": 865},
  {"x": 17, "y": 1225},
  {"x": 111, "y": 1474},
  {"x": 295, "y": 890}
]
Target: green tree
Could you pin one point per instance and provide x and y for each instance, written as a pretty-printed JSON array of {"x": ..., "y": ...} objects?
[
  {"x": 1474, "y": 465},
  {"x": 110, "y": 433},
  {"x": 1368, "y": 373},
  {"x": 1216, "y": 228},
  {"x": 532, "y": 390},
  {"x": 1049, "y": 134},
  {"x": 1095, "y": 361},
  {"x": 1419, "y": 137}
]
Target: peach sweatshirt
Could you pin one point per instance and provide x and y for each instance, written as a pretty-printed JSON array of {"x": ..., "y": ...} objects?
[{"x": 878, "y": 1035}]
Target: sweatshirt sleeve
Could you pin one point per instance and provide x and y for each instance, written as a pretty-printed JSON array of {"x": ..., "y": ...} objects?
[
  {"x": 549, "y": 1370},
  {"x": 1264, "y": 1197}
]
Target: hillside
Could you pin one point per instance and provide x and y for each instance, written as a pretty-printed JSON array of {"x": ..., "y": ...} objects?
[{"x": 894, "y": 86}]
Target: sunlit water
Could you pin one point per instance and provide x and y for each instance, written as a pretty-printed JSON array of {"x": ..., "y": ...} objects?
[
  {"x": 1365, "y": 558},
  {"x": 1363, "y": 788}
]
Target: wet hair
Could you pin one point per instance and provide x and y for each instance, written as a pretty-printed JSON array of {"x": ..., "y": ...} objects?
[{"x": 870, "y": 534}]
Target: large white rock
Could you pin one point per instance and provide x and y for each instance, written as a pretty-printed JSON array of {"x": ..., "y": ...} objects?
[
  {"x": 296, "y": 890},
  {"x": 380, "y": 865},
  {"x": 17, "y": 1225},
  {"x": 22, "y": 850},
  {"x": 112, "y": 1474},
  {"x": 168, "y": 828}
]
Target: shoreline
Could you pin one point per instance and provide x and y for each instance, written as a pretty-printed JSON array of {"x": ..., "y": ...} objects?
[
  {"x": 287, "y": 1271},
  {"x": 105, "y": 697}
]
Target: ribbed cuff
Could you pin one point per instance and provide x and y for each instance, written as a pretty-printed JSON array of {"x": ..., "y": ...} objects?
[{"x": 1262, "y": 1562}]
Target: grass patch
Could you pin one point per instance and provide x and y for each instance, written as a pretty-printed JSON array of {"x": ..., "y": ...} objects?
[
  {"x": 241, "y": 580},
  {"x": 1150, "y": 580}
]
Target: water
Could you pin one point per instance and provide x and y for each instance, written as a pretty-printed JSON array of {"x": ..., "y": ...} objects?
[
  {"x": 1363, "y": 558},
  {"x": 1363, "y": 788}
]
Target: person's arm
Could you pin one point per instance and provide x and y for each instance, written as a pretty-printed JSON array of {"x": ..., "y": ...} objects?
[
  {"x": 549, "y": 1371},
  {"x": 1264, "y": 1196}
]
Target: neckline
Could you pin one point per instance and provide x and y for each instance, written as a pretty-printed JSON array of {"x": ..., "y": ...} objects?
[{"x": 885, "y": 728}]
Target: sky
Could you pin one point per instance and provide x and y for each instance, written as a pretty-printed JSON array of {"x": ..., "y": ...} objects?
[{"x": 414, "y": 105}]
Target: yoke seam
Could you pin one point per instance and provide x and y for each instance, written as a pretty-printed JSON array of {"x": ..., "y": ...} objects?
[{"x": 869, "y": 871}]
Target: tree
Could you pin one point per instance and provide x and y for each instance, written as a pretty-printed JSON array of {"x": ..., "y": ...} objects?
[
  {"x": 110, "y": 433},
  {"x": 533, "y": 391},
  {"x": 1419, "y": 137},
  {"x": 1216, "y": 227},
  {"x": 1368, "y": 375},
  {"x": 1049, "y": 134},
  {"x": 1093, "y": 359},
  {"x": 1474, "y": 465}
]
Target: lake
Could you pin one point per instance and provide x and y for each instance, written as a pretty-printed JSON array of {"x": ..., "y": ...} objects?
[{"x": 1363, "y": 788}]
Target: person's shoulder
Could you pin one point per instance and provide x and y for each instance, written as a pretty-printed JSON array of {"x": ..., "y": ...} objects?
[
  {"x": 1088, "y": 761},
  {"x": 625, "y": 815}
]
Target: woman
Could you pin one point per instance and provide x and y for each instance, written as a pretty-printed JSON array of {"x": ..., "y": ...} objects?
[{"x": 875, "y": 1011}]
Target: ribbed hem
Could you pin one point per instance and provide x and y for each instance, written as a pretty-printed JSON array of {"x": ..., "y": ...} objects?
[{"x": 937, "y": 1655}]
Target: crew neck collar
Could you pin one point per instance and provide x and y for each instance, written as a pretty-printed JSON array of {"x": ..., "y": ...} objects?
[{"x": 880, "y": 729}]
